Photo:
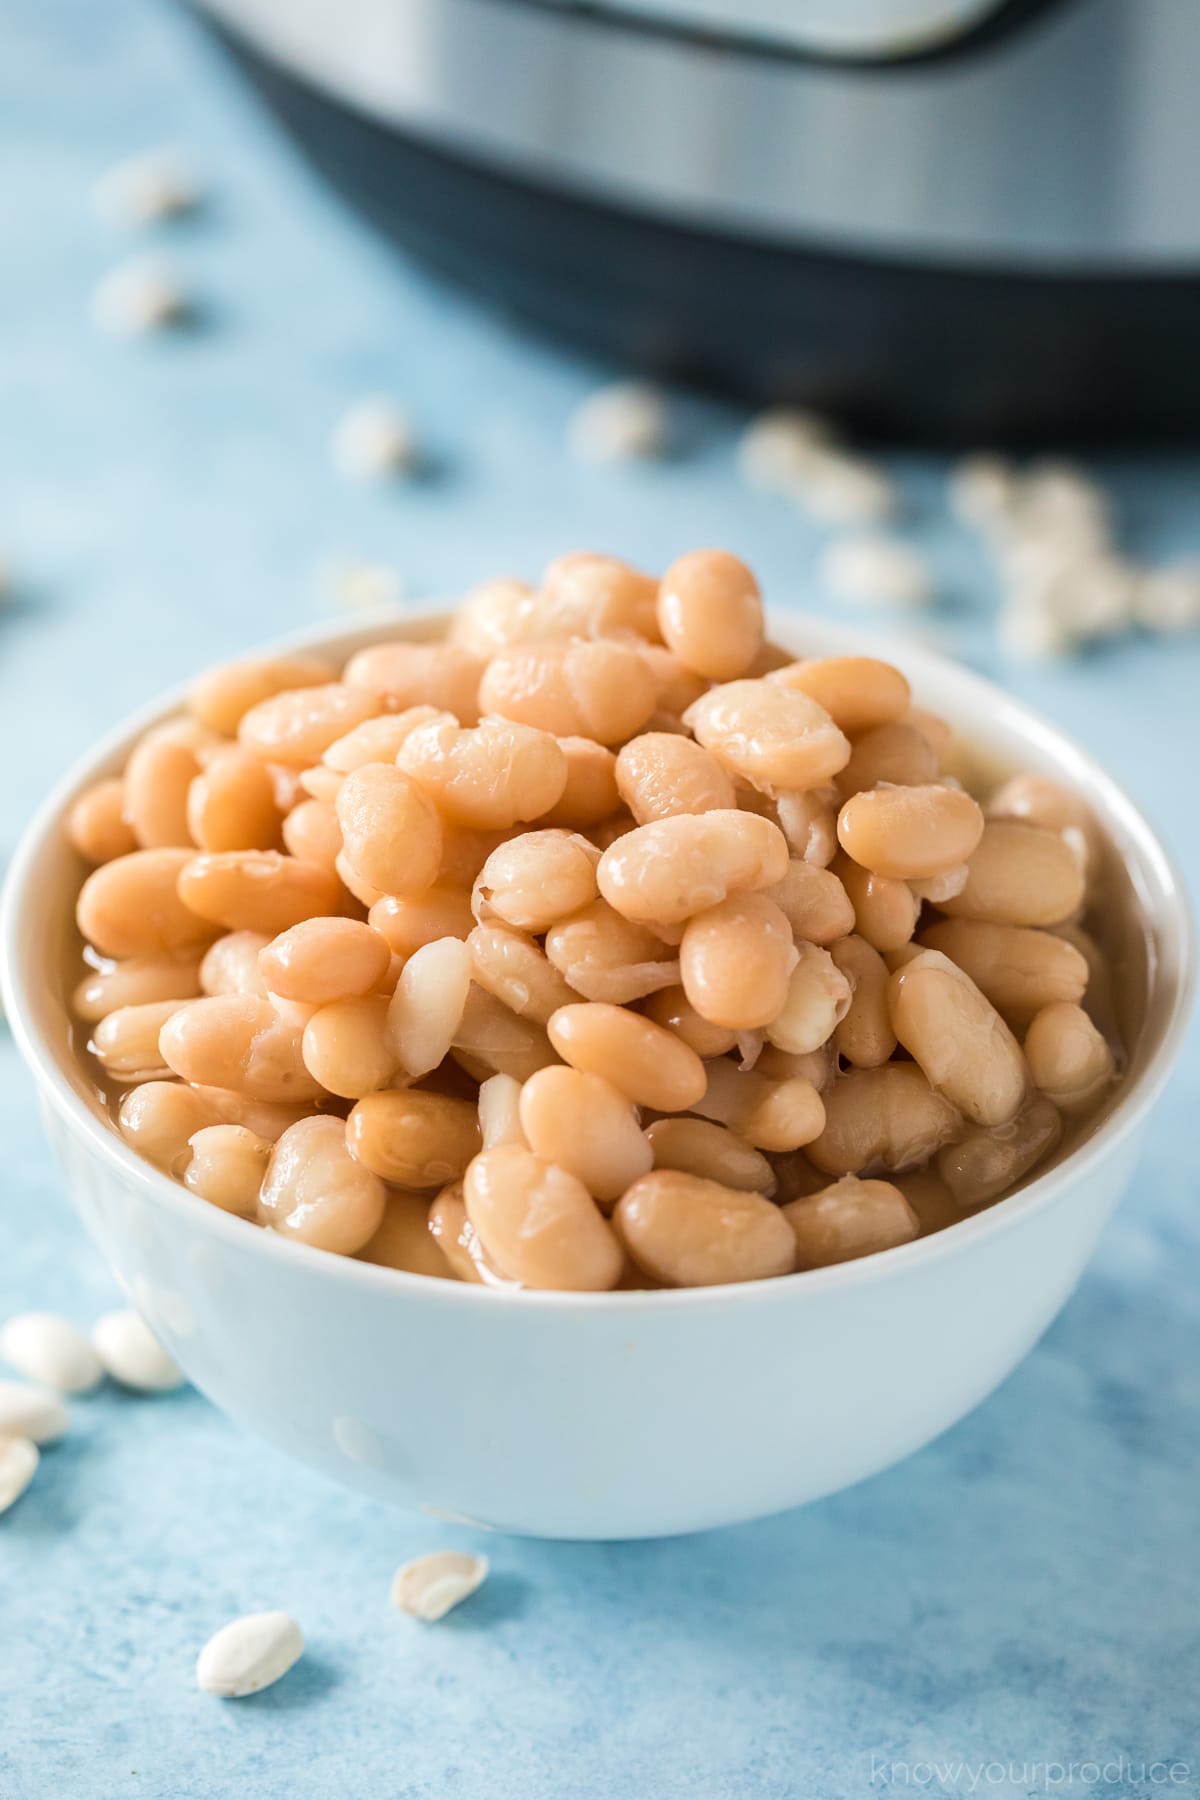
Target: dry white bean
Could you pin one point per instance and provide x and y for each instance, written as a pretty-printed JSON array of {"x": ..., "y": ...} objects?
[
  {"x": 19, "y": 1459},
  {"x": 132, "y": 1354},
  {"x": 27, "y": 1410},
  {"x": 430, "y": 1585},
  {"x": 50, "y": 1350},
  {"x": 249, "y": 1654}
]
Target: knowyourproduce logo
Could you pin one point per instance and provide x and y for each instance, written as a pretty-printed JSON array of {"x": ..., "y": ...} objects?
[{"x": 960, "y": 1776}]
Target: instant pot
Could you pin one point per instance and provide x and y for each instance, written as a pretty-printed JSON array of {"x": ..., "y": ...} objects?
[{"x": 954, "y": 218}]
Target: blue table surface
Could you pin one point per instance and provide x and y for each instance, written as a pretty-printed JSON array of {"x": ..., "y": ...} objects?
[{"x": 1024, "y": 1592}]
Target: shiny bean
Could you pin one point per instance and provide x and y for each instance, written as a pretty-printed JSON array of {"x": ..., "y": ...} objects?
[
  {"x": 457, "y": 1241},
  {"x": 895, "y": 754},
  {"x": 1018, "y": 967},
  {"x": 414, "y": 1139},
  {"x": 590, "y": 794},
  {"x": 295, "y": 727},
  {"x": 158, "y": 775},
  {"x": 536, "y": 879},
  {"x": 771, "y": 1115},
  {"x": 858, "y": 692},
  {"x": 1068, "y": 1058},
  {"x": 231, "y": 804},
  {"x": 255, "y": 890},
  {"x": 698, "y": 1147},
  {"x": 137, "y": 981},
  {"x": 885, "y": 910},
  {"x": 126, "y": 1041},
  {"x": 688, "y": 1232},
  {"x": 671, "y": 1008},
  {"x": 316, "y": 1193},
  {"x": 956, "y": 1036},
  {"x": 814, "y": 902},
  {"x": 985, "y": 1164},
  {"x": 710, "y": 614},
  {"x": 347, "y": 1047},
  {"x": 230, "y": 965},
  {"x": 96, "y": 825},
  {"x": 321, "y": 960},
  {"x": 227, "y": 1167},
  {"x": 849, "y": 1219},
  {"x": 406, "y": 674},
  {"x": 391, "y": 830},
  {"x": 735, "y": 961},
  {"x": 665, "y": 872},
  {"x": 599, "y": 596},
  {"x": 406, "y": 921},
  {"x": 583, "y": 1124},
  {"x": 223, "y": 696},
  {"x": 650, "y": 1066},
  {"x": 817, "y": 999},
  {"x": 606, "y": 957},
  {"x": 159, "y": 1117},
  {"x": 404, "y": 1240},
  {"x": 865, "y": 1036},
  {"x": 660, "y": 775},
  {"x": 498, "y": 614},
  {"x": 602, "y": 690},
  {"x": 488, "y": 778},
  {"x": 539, "y": 1224},
  {"x": 884, "y": 1118},
  {"x": 511, "y": 967},
  {"x": 133, "y": 906},
  {"x": 376, "y": 740},
  {"x": 426, "y": 1009},
  {"x": 1020, "y": 875},
  {"x": 237, "y": 1041},
  {"x": 772, "y": 735},
  {"x": 1040, "y": 801},
  {"x": 910, "y": 833}
]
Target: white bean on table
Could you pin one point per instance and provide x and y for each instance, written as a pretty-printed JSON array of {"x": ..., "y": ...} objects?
[{"x": 601, "y": 945}]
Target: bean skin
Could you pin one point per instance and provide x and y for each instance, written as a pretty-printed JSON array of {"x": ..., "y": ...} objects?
[{"x": 886, "y": 1118}]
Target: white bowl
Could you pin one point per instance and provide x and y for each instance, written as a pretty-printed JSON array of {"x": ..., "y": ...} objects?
[{"x": 610, "y": 1415}]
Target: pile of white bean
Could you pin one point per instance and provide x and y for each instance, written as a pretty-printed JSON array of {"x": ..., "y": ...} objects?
[{"x": 600, "y": 945}]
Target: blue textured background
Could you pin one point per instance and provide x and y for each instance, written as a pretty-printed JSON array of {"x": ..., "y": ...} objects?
[{"x": 1027, "y": 1589}]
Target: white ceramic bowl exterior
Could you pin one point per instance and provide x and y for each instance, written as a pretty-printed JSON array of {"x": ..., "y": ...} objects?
[{"x": 601, "y": 1416}]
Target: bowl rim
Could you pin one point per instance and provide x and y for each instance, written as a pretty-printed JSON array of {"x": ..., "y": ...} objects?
[{"x": 1173, "y": 922}]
